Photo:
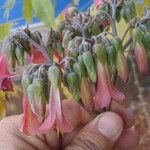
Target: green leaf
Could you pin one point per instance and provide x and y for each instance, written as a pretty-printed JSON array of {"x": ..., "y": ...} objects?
[
  {"x": 27, "y": 10},
  {"x": 8, "y": 5},
  {"x": 75, "y": 2},
  {"x": 4, "y": 29},
  {"x": 44, "y": 10}
]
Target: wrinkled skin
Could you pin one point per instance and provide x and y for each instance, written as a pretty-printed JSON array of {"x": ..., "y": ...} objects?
[{"x": 108, "y": 131}]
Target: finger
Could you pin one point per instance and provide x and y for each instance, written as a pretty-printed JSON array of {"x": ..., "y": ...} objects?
[
  {"x": 127, "y": 141},
  {"x": 101, "y": 133},
  {"x": 127, "y": 116},
  {"x": 11, "y": 137}
]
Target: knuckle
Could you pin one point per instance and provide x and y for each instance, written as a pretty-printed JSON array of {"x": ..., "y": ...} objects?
[{"x": 86, "y": 142}]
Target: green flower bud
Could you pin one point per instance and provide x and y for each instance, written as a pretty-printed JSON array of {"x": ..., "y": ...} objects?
[
  {"x": 73, "y": 54},
  {"x": 105, "y": 7},
  {"x": 37, "y": 97},
  {"x": 111, "y": 56},
  {"x": 117, "y": 43},
  {"x": 26, "y": 47},
  {"x": 10, "y": 51},
  {"x": 95, "y": 29},
  {"x": 146, "y": 42},
  {"x": 131, "y": 6},
  {"x": 26, "y": 81},
  {"x": 123, "y": 14},
  {"x": 20, "y": 54},
  {"x": 137, "y": 35},
  {"x": 79, "y": 69},
  {"x": 68, "y": 36},
  {"x": 90, "y": 65},
  {"x": 128, "y": 13},
  {"x": 73, "y": 83},
  {"x": 54, "y": 75},
  {"x": 41, "y": 88},
  {"x": 100, "y": 51}
]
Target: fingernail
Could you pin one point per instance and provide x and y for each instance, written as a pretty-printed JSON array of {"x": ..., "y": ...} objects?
[{"x": 110, "y": 125}]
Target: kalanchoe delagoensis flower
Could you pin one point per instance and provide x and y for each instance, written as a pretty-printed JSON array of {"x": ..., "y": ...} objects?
[
  {"x": 121, "y": 62},
  {"x": 68, "y": 36},
  {"x": 128, "y": 11},
  {"x": 5, "y": 81},
  {"x": 86, "y": 94},
  {"x": 55, "y": 116},
  {"x": 105, "y": 90},
  {"x": 35, "y": 87},
  {"x": 102, "y": 96},
  {"x": 6, "y": 84},
  {"x": 85, "y": 85},
  {"x": 122, "y": 67},
  {"x": 37, "y": 97},
  {"x": 140, "y": 52},
  {"x": 54, "y": 45},
  {"x": 141, "y": 58},
  {"x": 30, "y": 124},
  {"x": 37, "y": 56}
]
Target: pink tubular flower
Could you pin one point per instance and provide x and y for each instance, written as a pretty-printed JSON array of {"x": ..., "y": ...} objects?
[
  {"x": 86, "y": 94},
  {"x": 102, "y": 97},
  {"x": 122, "y": 67},
  {"x": 30, "y": 124},
  {"x": 37, "y": 56},
  {"x": 5, "y": 81},
  {"x": 55, "y": 117},
  {"x": 141, "y": 58},
  {"x": 114, "y": 92},
  {"x": 105, "y": 90},
  {"x": 97, "y": 3}
]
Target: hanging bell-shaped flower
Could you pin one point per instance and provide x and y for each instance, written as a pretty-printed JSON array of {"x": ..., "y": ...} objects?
[
  {"x": 5, "y": 76},
  {"x": 55, "y": 116},
  {"x": 140, "y": 52},
  {"x": 122, "y": 67}
]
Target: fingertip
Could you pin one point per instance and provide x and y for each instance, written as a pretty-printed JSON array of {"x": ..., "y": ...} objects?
[{"x": 110, "y": 125}]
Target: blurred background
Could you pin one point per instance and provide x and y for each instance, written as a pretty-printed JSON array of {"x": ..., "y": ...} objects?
[{"x": 16, "y": 14}]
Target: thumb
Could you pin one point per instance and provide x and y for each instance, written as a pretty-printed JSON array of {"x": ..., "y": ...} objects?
[{"x": 100, "y": 134}]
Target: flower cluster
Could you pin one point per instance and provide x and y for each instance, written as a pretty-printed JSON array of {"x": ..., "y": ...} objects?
[{"x": 82, "y": 55}]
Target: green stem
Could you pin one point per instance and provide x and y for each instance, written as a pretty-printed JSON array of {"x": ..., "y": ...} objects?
[{"x": 125, "y": 33}]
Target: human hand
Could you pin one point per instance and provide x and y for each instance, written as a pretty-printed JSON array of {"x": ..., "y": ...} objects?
[{"x": 105, "y": 132}]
